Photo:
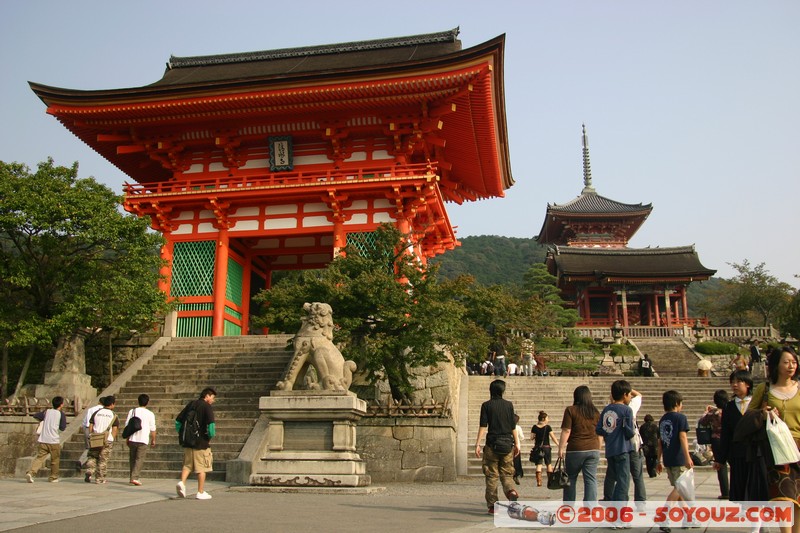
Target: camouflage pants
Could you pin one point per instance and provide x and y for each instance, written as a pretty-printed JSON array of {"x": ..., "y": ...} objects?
[
  {"x": 497, "y": 468},
  {"x": 97, "y": 463}
]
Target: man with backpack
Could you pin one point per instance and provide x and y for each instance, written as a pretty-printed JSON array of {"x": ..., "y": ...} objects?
[
  {"x": 139, "y": 433},
  {"x": 195, "y": 425}
]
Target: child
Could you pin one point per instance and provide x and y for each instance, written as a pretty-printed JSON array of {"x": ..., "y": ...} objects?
[
  {"x": 518, "y": 473},
  {"x": 616, "y": 427},
  {"x": 542, "y": 435},
  {"x": 735, "y": 456},
  {"x": 673, "y": 443}
]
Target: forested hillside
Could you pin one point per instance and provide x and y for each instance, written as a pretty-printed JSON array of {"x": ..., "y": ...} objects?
[
  {"x": 495, "y": 260},
  {"x": 491, "y": 259}
]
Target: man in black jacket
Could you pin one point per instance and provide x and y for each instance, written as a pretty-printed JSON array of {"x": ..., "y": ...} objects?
[
  {"x": 197, "y": 456},
  {"x": 502, "y": 444}
]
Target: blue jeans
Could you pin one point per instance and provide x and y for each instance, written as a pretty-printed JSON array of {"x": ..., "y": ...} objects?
[
  {"x": 637, "y": 474},
  {"x": 585, "y": 463},
  {"x": 619, "y": 472}
]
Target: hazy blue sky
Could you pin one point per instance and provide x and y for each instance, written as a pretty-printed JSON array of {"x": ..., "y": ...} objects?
[{"x": 690, "y": 105}]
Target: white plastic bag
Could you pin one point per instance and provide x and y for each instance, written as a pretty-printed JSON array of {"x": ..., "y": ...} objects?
[
  {"x": 784, "y": 449},
  {"x": 685, "y": 485}
]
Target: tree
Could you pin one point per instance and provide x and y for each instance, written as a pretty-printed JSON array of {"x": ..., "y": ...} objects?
[
  {"x": 755, "y": 290},
  {"x": 70, "y": 259},
  {"x": 390, "y": 311}
]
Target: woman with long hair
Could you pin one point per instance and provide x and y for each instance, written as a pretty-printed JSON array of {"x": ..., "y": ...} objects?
[
  {"x": 579, "y": 445},
  {"x": 542, "y": 434},
  {"x": 781, "y": 394}
]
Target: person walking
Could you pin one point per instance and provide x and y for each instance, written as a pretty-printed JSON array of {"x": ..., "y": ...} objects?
[
  {"x": 542, "y": 435},
  {"x": 518, "y": 471},
  {"x": 713, "y": 418},
  {"x": 579, "y": 445},
  {"x": 756, "y": 361},
  {"x": 502, "y": 444},
  {"x": 197, "y": 456},
  {"x": 616, "y": 427},
  {"x": 139, "y": 441},
  {"x": 85, "y": 425},
  {"x": 649, "y": 433},
  {"x": 103, "y": 421},
  {"x": 49, "y": 442},
  {"x": 673, "y": 444},
  {"x": 781, "y": 394}
]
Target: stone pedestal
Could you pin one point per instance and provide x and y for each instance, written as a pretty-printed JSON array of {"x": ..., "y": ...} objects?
[
  {"x": 67, "y": 375},
  {"x": 311, "y": 440}
]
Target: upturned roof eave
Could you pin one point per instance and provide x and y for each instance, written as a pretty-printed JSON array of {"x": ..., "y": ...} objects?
[{"x": 51, "y": 95}]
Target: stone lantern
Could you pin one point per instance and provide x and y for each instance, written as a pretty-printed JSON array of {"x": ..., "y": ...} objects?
[
  {"x": 616, "y": 332},
  {"x": 699, "y": 331}
]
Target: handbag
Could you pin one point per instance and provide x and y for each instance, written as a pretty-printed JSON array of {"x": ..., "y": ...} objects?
[
  {"x": 537, "y": 454},
  {"x": 781, "y": 442},
  {"x": 98, "y": 440},
  {"x": 558, "y": 478},
  {"x": 703, "y": 434}
]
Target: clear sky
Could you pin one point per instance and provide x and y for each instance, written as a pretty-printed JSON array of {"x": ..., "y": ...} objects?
[{"x": 693, "y": 106}]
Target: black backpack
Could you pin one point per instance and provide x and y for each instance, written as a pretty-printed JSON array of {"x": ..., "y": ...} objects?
[
  {"x": 190, "y": 435},
  {"x": 133, "y": 425}
]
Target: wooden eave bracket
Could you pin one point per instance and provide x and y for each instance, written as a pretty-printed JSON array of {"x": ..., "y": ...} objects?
[{"x": 221, "y": 212}]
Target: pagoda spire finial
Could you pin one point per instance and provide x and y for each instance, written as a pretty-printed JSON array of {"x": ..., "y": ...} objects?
[{"x": 587, "y": 167}]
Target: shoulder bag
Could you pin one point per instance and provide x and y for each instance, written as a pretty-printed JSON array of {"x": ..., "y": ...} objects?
[{"x": 558, "y": 478}]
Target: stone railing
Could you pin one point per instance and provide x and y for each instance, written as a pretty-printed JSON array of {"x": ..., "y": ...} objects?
[
  {"x": 731, "y": 334},
  {"x": 28, "y": 406},
  {"x": 409, "y": 410}
]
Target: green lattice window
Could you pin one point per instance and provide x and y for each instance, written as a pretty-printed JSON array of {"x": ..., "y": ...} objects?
[
  {"x": 364, "y": 241},
  {"x": 233, "y": 287},
  {"x": 193, "y": 268}
]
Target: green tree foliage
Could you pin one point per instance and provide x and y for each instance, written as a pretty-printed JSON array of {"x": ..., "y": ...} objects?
[
  {"x": 391, "y": 313},
  {"x": 491, "y": 260},
  {"x": 753, "y": 297},
  {"x": 70, "y": 259}
]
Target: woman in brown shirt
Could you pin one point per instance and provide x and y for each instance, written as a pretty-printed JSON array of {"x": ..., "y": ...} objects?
[{"x": 579, "y": 445}]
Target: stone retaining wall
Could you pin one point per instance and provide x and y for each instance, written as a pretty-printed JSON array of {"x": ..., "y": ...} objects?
[
  {"x": 408, "y": 449},
  {"x": 17, "y": 439}
]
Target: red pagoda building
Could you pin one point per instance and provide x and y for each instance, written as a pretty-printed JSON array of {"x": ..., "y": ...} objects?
[
  {"x": 607, "y": 281},
  {"x": 256, "y": 162}
]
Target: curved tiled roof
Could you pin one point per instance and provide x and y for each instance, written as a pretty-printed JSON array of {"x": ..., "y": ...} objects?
[
  {"x": 681, "y": 261},
  {"x": 593, "y": 203},
  {"x": 305, "y": 51}
]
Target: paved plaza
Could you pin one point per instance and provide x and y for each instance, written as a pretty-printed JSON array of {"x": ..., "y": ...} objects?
[{"x": 73, "y": 505}]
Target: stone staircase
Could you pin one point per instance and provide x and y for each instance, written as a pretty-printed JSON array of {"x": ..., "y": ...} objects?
[
  {"x": 240, "y": 369},
  {"x": 670, "y": 356},
  {"x": 553, "y": 394}
]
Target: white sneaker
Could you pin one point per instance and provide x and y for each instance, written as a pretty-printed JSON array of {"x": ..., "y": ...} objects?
[
  {"x": 29, "y": 478},
  {"x": 203, "y": 496},
  {"x": 180, "y": 488}
]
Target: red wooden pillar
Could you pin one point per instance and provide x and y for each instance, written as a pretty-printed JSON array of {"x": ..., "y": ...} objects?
[
  {"x": 220, "y": 282},
  {"x": 339, "y": 238},
  {"x": 625, "y": 309},
  {"x": 656, "y": 309},
  {"x": 167, "y": 251},
  {"x": 668, "y": 307},
  {"x": 247, "y": 275},
  {"x": 684, "y": 303}
]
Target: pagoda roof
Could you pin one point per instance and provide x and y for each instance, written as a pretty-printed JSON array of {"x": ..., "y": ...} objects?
[
  {"x": 619, "y": 264},
  {"x": 370, "y": 80},
  {"x": 591, "y": 203}
]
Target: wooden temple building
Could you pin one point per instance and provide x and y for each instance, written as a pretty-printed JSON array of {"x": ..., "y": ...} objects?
[
  {"x": 604, "y": 279},
  {"x": 255, "y": 162}
]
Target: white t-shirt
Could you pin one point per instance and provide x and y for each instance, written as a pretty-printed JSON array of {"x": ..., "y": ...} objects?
[
  {"x": 635, "y": 405},
  {"x": 102, "y": 420},
  {"x": 148, "y": 424},
  {"x": 89, "y": 412}
]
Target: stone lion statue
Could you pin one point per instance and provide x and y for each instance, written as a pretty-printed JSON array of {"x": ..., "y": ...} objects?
[{"x": 313, "y": 345}]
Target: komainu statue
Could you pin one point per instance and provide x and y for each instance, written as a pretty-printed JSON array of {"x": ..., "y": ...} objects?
[{"x": 313, "y": 345}]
